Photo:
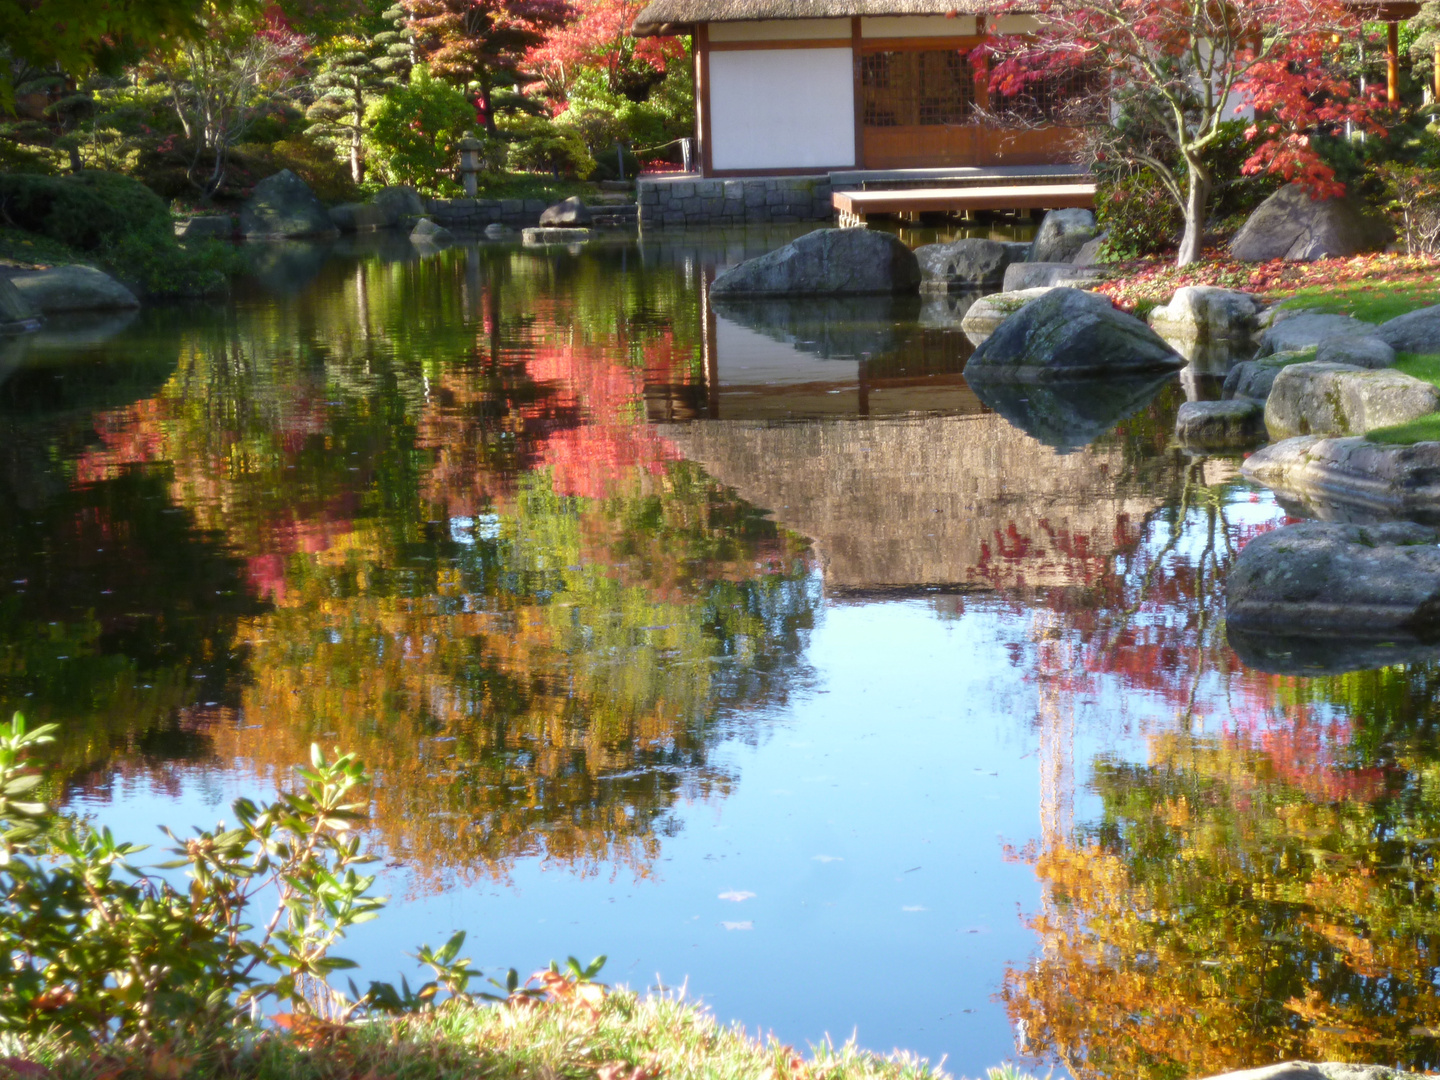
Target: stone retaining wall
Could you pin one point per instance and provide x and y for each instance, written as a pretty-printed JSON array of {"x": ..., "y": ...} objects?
[
  {"x": 674, "y": 202},
  {"x": 477, "y": 213}
]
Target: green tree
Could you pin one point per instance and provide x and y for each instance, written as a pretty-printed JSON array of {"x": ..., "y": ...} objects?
[
  {"x": 413, "y": 129},
  {"x": 77, "y": 37},
  {"x": 354, "y": 71}
]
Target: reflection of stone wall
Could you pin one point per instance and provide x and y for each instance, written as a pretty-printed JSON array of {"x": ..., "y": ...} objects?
[
  {"x": 687, "y": 200},
  {"x": 944, "y": 501}
]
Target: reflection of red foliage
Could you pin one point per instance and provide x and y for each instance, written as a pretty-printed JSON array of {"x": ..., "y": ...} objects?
[{"x": 578, "y": 409}]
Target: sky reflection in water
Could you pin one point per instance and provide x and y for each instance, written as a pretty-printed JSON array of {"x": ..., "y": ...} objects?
[{"x": 888, "y": 717}]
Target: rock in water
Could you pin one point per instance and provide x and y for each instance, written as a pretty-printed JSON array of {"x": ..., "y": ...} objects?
[
  {"x": 1254, "y": 378},
  {"x": 1308, "y": 329},
  {"x": 1041, "y": 275},
  {"x": 427, "y": 232},
  {"x": 359, "y": 217},
  {"x": 1340, "y": 399},
  {"x": 1416, "y": 332},
  {"x": 1360, "y": 578},
  {"x": 826, "y": 261},
  {"x": 571, "y": 213},
  {"x": 1352, "y": 475},
  {"x": 284, "y": 207},
  {"x": 984, "y": 316},
  {"x": 1291, "y": 225},
  {"x": 16, "y": 313},
  {"x": 1071, "y": 334},
  {"x": 1204, "y": 315},
  {"x": 961, "y": 265},
  {"x": 402, "y": 206},
  {"x": 499, "y": 231},
  {"x": 1062, "y": 234},
  {"x": 1220, "y": 425},
  {"x": 73, "y": 288}
]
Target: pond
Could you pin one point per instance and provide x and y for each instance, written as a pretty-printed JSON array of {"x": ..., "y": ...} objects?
[{"x": 746, "y": 645}]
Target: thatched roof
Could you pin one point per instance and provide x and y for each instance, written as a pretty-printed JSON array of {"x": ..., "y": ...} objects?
[{"x": 678, "y": 16}]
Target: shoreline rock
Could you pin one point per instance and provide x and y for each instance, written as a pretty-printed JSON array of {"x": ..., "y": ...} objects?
[
  {"x": 60, "y": 290},
  {"x": 1317, "y": 398},
  {"x": 985, "y": 315},
  {"x": 827, "y": 261},
  {"x": 962, "y": 265},
  {"x": 1070, "y": 334},
  {"x": 1201, "y": 319},
  {"x": 1220, "y": 425},
  {"x": 1362, "y": 579},
  {"x": 1353, "y": 472}
]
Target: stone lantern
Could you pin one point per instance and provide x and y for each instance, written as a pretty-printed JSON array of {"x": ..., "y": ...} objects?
[{"x": 470, "y": 148}]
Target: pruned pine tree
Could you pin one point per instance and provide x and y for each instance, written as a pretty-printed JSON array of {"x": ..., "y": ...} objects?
[{"x": 357, "y": 71}]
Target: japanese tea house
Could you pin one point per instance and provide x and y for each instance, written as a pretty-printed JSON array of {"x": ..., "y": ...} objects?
[{"x": 811, "y": 86}]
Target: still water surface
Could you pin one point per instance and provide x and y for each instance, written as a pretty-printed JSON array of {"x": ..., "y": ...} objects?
[{"x": 747, "y": 645}]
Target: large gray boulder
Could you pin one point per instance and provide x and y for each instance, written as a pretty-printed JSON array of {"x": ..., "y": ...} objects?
[
  {"x": 427, "y": 232},
  {"x": 1062, "y": 234},
  {"x": 16, "y": 313},
  {"x": 1366, "y": 352},
  {"x": 962, "y": 265},
  {"x": 284, "y": 207},
  {"x": 1307, "y": 330},
  {"x": 359, "y": 217},
  {"x": 1041, "y": 275},
  {"x": 1090, "y": 251},
  {"x": 1291, "y": 225},
  {"x": 572, "y": 213},
  {"x": 402, "y": 206},
  {"x": 62, "y": 289},
  {"x": 1340, "y": 399},
  {"x": 986, "y": 314},
  {"x": 1254, "y": 379},
  {"x": 1365, "y": 579},
  {"x": 1070, "y": 334},
  {"x": 1352, "y": 473},
  {"x": 1415, "y": 332},
  {"x": 1201, "y": 317},
  {"x": 823, "y": 262},
  {"x": 1220, "y": 425}
]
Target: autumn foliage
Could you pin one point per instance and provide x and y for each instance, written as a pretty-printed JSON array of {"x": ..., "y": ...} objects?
[{"x": 1168, "y": 74}]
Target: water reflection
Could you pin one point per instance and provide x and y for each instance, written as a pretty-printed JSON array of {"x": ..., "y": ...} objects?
[{"x": 761, "y": 599}]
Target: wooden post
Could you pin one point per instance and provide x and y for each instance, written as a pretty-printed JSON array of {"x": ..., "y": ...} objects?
[
  {"x": 1437, "y": 71},
  {"x": 1392, "y": 62}
]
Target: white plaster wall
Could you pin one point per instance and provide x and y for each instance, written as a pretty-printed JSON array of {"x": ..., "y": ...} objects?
[
  {"x": 782, "y": 108},
  {"x": 781, "y": 30}
]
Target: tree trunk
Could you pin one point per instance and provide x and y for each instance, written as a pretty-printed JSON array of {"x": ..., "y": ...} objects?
[
  {"x": 1197, "y": 201},
  {"x": 357, "y": 160}
]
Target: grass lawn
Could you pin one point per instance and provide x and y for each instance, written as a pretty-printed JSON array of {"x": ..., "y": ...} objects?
[
  {"x": 620, "y": 1037},
  {"x": 1370, "y": 301}
]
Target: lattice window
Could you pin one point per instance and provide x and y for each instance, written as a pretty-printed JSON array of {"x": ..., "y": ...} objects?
[
  {"x": 909, "y": 89},
  {"x": 1048, "y": 100}
]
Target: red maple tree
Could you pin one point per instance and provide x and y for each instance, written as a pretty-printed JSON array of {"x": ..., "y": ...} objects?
[
  {"x": 481, "y": 44},
  {"x": 1164, "y": 75},
  {"x": 599, "y": 38}
]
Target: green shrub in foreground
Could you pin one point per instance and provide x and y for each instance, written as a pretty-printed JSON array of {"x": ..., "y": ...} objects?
[{"x": 101, "y": 952}]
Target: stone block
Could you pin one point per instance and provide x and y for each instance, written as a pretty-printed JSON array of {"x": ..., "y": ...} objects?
[{"x": 682, "y": 189}]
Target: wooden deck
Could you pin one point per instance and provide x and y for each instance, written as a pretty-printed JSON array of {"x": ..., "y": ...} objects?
[{"x": 853, "y": 207}]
